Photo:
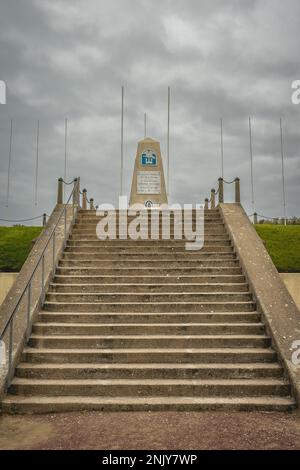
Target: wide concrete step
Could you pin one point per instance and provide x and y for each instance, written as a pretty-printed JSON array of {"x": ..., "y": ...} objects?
[
  {"x": 150, "y": 271},
  {"x": 116, "y": 296},
  {"x": 148, "y": 288},
  {"x": 122, "y": 218},
  {"x": 149, "y": 341},
  {"x": 40, "y": 404},
  {"x": 185, "y": 280},
  {"x": 150, "y": 307},
  {"x": 153, "y": 227},
  {"x": 136, "y": 245},
  {"x": 93, "y": 212},
  {"x": 149, "y": 355},
  {"x": 216, "y": 229},
  {"x": 92, "y": 236},
  {"x": 150, "y": 221},
  {"x": 104, "y": 248},
  {"x": 96, "y": 218},
  {"x": 146, "y": 387},
  {"x": 148, "y": 371},
  {"x": 56, "y": 328},
  {"x": 155, "y": 263},
  {"x": 170, "y": 318},
  {"x": 148, "y": 257}
]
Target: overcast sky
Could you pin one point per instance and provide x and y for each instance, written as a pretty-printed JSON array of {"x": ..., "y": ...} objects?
[{"x": 228, "y": 59}]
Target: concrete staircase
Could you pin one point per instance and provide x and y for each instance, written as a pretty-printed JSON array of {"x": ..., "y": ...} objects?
[{"x": 147, "y": 325}]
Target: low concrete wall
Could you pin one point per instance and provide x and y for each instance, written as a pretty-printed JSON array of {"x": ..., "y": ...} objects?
[
  {"x": 292, "y": 282},
  {"x": 16, "y": 303},
  {"x": 6, "y": 281},
  {"x": 279, "y": 311}
]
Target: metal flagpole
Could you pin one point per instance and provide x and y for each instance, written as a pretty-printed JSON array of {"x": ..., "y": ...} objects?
[
  {"x": 168, "y": 144},
  {"x": 66, "y": 137},
  {"x": 122, "y": 141},
  {"x": 222, "y": 148},
  {"x": 9, "y": 161},
  {"x": 251, "y": 165},
  {"x": 145, "y": 125},
  {"x": 282, "y": 170},
  {"x": 37, "y": 160}
]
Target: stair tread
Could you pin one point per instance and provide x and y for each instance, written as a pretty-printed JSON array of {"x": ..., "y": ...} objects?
[
  {"x": 177, "y": 285},
  {"x": 146, "y": 336},
  {"x": 235, "y": 351},
  {"x": 152, "y": 293},
  {"x": 262, "y": 401},
  {"x": 146, "y": 324},
  {"x": 237, "y": 382},
  {"x": 204, "y": 302},
  {"x": 153, "y": 365}
]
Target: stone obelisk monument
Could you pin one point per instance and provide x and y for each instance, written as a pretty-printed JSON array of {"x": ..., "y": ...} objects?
[{"x": 148, "y": 182}]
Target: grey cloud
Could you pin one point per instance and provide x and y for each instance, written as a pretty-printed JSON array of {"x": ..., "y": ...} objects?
[{"x": 69, "y": 59}]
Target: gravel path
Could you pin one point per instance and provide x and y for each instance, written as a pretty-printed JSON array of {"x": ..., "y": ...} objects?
[{"x": 152, "y": 430}]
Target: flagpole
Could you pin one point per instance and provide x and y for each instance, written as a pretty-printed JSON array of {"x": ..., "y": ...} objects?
[
  {"x": 282, "y": 171},
  {"x": 122, "y": 140},
  {"x": 168, "y": 144},
  {"x": 37, "y": 160},
  {"x": 222, "y": 148},
  {"x": 251, "y": 165}
]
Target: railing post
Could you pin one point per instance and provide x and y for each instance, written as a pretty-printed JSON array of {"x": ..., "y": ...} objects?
[
  {"x": 92, "y": 204},
  {"x": 28, "y": 310},
  {"x": 75, "y": 191},
  {"x": 255, "y": 218},
  {"x": 10, "y": 352},
  {"x": 43, "y": 272},
  {"x": 221, "y": 190},
  {"x": 213, "y": 199},
  {"x": 60, "y": 191},
  {"x": 237, "y": 190},
  {"x": 84, "y": 199},
  {"x": 65, "y": 228},
  {"x": 44, "y": 219},
  {"x": 53, "y": 255},
  {"x": 206, "y": 204}
]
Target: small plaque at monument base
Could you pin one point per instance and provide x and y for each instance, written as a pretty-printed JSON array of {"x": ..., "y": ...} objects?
[{"x": 148, "y": 182}]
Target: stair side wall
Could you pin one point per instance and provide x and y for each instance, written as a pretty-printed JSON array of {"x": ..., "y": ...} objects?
[
  {"x": 21, "y": 281},
  {"x": 279, "y": 311}
]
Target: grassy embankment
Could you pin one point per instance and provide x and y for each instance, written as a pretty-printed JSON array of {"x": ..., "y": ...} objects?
[
  {"x": 15, "y": 245},
  {"x": 282, "y": 243}
]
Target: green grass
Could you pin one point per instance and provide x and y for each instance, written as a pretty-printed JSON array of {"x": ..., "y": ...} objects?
[
  {"x": 283, "y": 245},
  {"x": 15, "y": 245}
]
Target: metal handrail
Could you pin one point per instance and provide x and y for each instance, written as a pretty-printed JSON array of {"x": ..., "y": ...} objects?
[{"x": 27, "y": 288}]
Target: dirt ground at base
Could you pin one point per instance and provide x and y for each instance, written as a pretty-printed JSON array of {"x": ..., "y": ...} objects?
[{"x": 151, "y": 430}]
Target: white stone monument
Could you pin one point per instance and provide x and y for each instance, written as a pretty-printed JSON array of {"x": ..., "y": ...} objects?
[{"x": 148, "y": 182}]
